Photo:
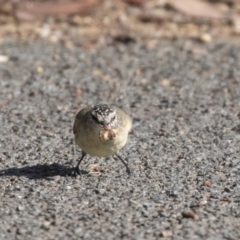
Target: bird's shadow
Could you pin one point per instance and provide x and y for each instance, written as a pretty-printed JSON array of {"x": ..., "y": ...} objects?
[{"x": 39, "y": 171}]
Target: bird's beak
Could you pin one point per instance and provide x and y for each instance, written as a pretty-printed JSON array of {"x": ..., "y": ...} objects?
[{"x": 106, "y": 126}]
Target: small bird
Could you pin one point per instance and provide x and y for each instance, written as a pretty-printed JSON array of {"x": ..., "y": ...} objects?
[{"x": 101, "y": 131}]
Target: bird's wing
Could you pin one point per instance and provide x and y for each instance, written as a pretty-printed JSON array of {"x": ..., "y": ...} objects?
[{"x": 79, "y": 118}]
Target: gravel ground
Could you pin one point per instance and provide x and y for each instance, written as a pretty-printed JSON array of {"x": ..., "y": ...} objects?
[{"x": 184, "y": 98}]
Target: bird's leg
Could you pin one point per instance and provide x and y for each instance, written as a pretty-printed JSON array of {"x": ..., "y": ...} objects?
[
  {"x": 76, "y": 169},
  {"x": 125, "y": 164}
]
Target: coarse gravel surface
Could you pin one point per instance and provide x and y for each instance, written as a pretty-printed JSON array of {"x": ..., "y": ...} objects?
[{"x": 184, "y": 149}]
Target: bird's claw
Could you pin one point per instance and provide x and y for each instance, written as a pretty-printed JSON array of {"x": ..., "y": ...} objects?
[
  {"x": 128, "y": 171},
  {"x": 75, "y": 172}
]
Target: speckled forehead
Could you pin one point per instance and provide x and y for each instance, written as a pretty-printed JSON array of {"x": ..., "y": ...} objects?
[{"x": 103, "y": 110}]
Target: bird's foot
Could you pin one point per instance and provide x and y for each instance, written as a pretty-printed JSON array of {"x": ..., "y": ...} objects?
[
  {"x": 75, "y": 172},
  {"x": 129, "y": 172}
]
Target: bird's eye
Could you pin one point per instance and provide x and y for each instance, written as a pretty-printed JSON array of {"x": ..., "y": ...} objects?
[
  {"x": 113, "y": 118},
  {"x": 95, "y": 118}
]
